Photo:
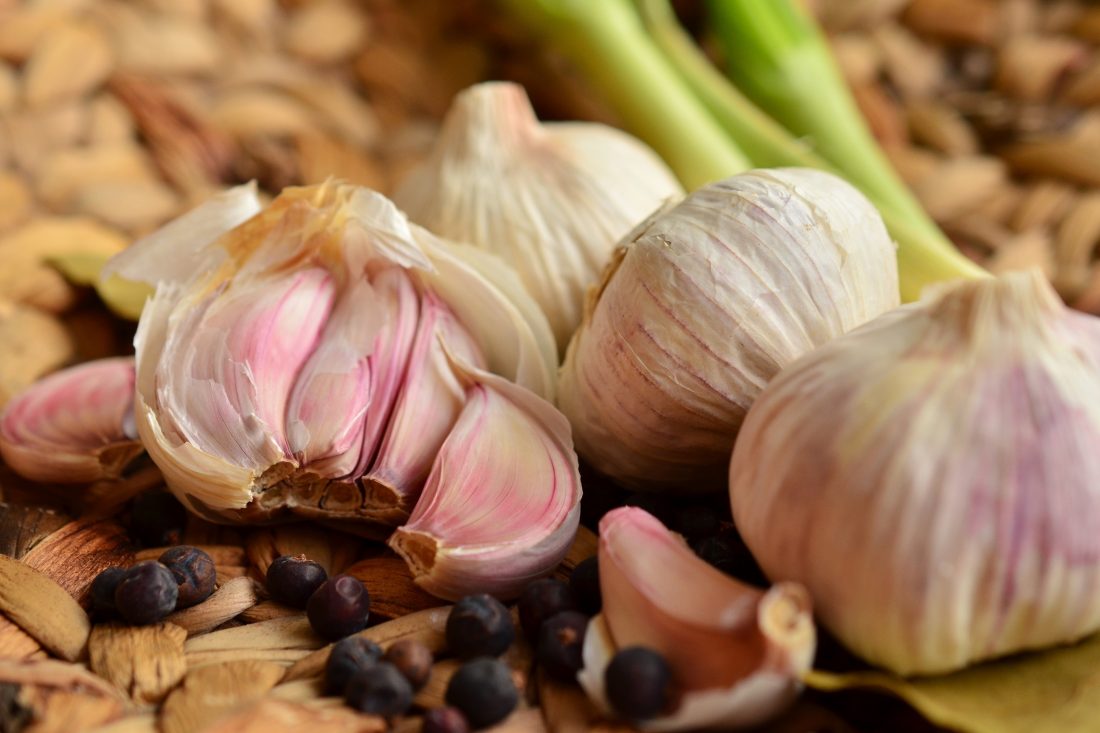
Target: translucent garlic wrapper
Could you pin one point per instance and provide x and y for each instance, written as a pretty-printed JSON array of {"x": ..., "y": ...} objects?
[
  {"x": 704, "y": 304},
  {"x": 550, "y": 199},
  {"x": 933, "y": 478},
  {"x": 323, "y": 357}
]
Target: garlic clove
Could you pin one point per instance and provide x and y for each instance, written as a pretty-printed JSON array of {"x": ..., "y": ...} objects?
[
  {"x": 502, "y": 502},
  {"x": 737, "y": 652},
  {"x": 550, "y": 199},
  {"x": 703, "y": 304},
  {"x": 932, "y": 478},
  {"x": 427, "y": 408},
  {"x": 73, "y": 426}
]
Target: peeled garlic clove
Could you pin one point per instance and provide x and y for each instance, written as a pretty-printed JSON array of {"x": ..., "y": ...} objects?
[
  {"x": 502, "y": 503},
  {"x": 431, "y": 399},
  {"x": 551, "y": 199},
  {"x": 737, "y": 652},
  {"x": 73, "y": 426},
  {"x": 932, "y": 478},
  {"x": 704, "y": 304}
]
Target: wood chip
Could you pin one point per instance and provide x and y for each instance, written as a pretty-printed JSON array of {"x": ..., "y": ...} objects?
[
  {"x": 144, "y": 661},
  {"x": 43, "y": 609},
  {"x": 207, "y": 693},
  {"x": 940, "y": 127},
  {"x": 393, "y": 592},
  {"x": 334, "y": 552},
  {"x": 68, "y": 62},
  {"x": 326, "y": 32},
  {"x": 427, "y": 627},
  {"x": 281, "y": 716},
  {"x": 73, "y": 555},
  {"x": 225, "y": 603},
  {"x": 432, "y": 694},
  {"x": 289, "y": 632},
  {"x": 956, "y": 21},
  {"x": 35, "y": 343}
]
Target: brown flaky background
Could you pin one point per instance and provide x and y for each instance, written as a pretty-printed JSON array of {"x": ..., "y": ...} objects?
[{"x": 117, "y": 115}]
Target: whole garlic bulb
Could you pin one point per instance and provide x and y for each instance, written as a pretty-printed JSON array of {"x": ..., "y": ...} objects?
[
  {"x": 705, "y": 303},
  {"x": 550, "y": 199},
  {"x": 933, "y": 478}
]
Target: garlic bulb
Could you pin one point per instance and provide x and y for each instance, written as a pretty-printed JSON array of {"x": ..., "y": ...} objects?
[
  {"x": 737, "y": 653},
  {"x": 933, "y": 478},
  {"x": 705, "y": 302},
  {"x": 73, "y": 426},
  {"x": 326, "y": 358},
  {"x": 551, "y": 199}
]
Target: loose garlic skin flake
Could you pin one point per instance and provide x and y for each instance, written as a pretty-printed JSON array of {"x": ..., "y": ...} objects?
[
  {"x": 933, "y": 478},
  {"x": 704, "y": 304}
]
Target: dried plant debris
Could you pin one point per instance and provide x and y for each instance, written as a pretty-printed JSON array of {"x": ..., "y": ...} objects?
[
  {"x": 43, "y": 609},
  {"x": 144, "y": 661},
  {"x": 211, "y": 691}
]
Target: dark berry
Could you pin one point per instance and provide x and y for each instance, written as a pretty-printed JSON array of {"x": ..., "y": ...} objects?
[
  {"x": 412, "y": 659},
  {"x": 194, "y": 572},
  {"x": 379, "y": 690},
  {"x": 339, "y": 608},
  {"x": 696, "y": 521},
  {"x": 483, "y": 689},
  {"x": 478, "y": 626},
  {"x": 584, "y": 581},
  {"x": 561, "y": 640},
  {"x": 539, "y": 601},
  {"x": 638, "y": 683},
  {"x": 146, "y": 593},
  {"x": 444, "y": 720},
  {"x": 349, "y": 656},
  {"x": 103, "y": 591},
  {"x": 728, "y": 554},
  {"x": 157, "y": 519},
  {"x": 292, "y": 580}
]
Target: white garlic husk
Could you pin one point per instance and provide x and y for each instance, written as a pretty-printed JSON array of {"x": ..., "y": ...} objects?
[
  {"x": 551, "y": 199},
  {"x": 933, "y": 478},
  {"x": 704, "y": 304},
  {"x": 737, "y": 653},
  {"x": 328, "y": 359}
]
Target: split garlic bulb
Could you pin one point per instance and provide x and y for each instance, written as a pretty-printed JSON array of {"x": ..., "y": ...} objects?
[
  {"x": 933, "y": 478},
  {"x": 550, "y": 199},
  {"x": 704, "y": 304},
  {"x": 324, "y": 357}
]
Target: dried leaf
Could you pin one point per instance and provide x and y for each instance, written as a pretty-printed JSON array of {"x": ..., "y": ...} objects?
[
  {"x": 209, "y": 692},
  {"x": 281, "y": 716},
  {"x": 73, "y": 555},
  {"x": 392, "y": 590},
  {"x": 326, "y": 32},
  {"x": 1052, "y": 691},
  {"x": 43, "y": 609},
  {"x": 35, "y": 343},
  {"x": 68, "y": 62},
  {"x": 144, "y": 661},
  {"x": 427, "y": 627},
  {"x": 289, "y": 632},
  {"x": 226, "y": 602}
]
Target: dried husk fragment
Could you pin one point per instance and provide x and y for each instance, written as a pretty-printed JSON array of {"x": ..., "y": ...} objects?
[
  {"x": 290, "y": 632},
  {"x": 565, "y": 707},
  {"x": 63, "y": 173},
  {"x": 63, "y": 698},
  {"x": 282, "y": 657},
  {"x": 1073, "y": 155},
  {"x": 393, "y": 591},
  {"x": 332, "y": 551},
  {"x": 76, "y": 553},
  {"x": 146, "y": 662},
  {"x": 17, "y": 200},
  {"x": 327, "y": 31},
  {"x": 233, "y": 597},
  {"x": 211, "y": 691},
  {"x": 433, "y": 693},
  {"x": 23, "y": 526},
  {"x": 37, "y": 343},
  {"x": 67, "y": 62},
  {"x": 282, "y": 716},
  {"x": 43, "y": 609}
]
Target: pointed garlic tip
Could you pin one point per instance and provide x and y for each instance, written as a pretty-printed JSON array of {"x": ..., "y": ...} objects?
[
  {"x": 932, "y": 477},
  {"x": 502, "y": 503},
  {"x": 708, "y": 300},
  {"x": 550, "y": 199},
  {"x": 737, "y": 653},
  {"x": 74, "y": 426},
  {"x": 304, "y": 365}
]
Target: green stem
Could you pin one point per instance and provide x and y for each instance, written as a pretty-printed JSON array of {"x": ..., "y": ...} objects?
[{"x": 606, "y": 40}]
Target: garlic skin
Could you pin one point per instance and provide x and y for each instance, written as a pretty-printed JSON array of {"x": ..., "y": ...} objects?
[
  {"x": 704, "y": 303},
  {"x": 314, "y": 360},
  {"x": 737, "y": 652},
  {"x": 933, "y": 479},
  {"x": 73, "y": 426},
  {"x": 551, "y": 199}
]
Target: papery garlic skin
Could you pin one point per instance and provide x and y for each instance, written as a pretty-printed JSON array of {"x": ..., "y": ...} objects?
[
  {"x": 933, "y": 478},
  {"x": 705, "y": 303},
  {"x": 73, "y": 426},
  {"x": 291, "y": 368},
  {"x": 737, "y": 653},
  {"x": 551, "y": 199}
]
